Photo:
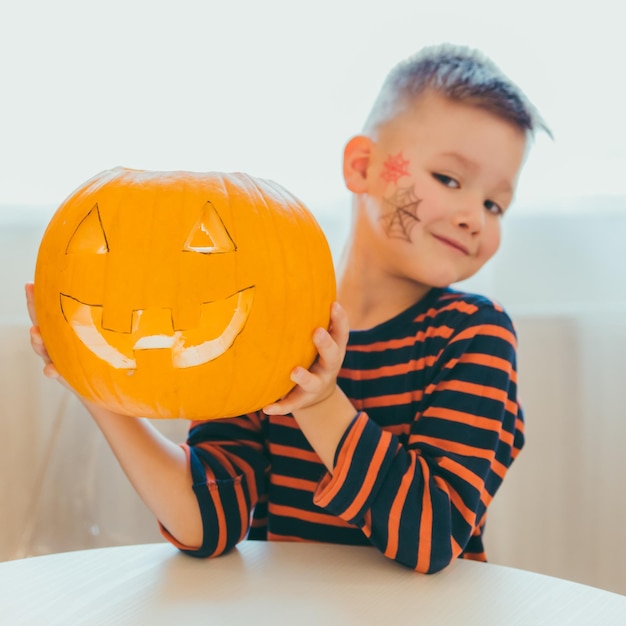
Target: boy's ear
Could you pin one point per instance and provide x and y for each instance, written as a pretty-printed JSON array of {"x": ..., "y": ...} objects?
[{"x": 356, "y": 161}]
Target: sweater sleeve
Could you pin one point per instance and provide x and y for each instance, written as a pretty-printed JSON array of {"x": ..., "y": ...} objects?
[
  {"x": 229, "y": 467},
  {"x": 421, "y": 501}
]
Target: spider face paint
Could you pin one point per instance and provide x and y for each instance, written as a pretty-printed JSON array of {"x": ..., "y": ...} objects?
[
  {"x": 401, "y": 206},
  {"x": 401, "y": 216},
  {"x": 394, "y": 168}
]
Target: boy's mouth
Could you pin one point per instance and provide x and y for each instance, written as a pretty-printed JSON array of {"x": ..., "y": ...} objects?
[{"x": 453, "y": 244}]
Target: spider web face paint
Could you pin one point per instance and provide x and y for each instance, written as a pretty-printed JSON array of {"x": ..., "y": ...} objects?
[
  {"x": 402, "y": 215},
  {"x": 394, "y": 168}
]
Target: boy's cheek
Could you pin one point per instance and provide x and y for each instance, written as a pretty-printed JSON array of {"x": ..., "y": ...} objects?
[{"x": 489, "y": 247}]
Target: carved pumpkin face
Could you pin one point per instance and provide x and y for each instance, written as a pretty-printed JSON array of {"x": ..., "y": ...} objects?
[{"x": 178, "y": 294}]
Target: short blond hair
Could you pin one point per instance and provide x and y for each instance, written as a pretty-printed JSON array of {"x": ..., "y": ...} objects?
[{"x": 461, "y": 74}]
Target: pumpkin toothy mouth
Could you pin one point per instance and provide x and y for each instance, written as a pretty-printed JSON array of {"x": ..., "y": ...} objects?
[{"x": 221, "y": 321}]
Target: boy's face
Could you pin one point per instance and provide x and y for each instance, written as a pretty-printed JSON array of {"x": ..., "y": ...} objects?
[{"x": 440, "y": 177}]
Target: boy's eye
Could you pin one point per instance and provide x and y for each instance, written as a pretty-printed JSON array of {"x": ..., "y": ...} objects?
[
  {"x": 494, "y": 208},
  {"x": 447, "y": 181}
]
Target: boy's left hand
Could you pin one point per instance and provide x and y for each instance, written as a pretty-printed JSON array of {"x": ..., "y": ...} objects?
[{"x": 319, "y": 382}]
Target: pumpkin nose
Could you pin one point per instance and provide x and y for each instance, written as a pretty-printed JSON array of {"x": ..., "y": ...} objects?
[
  {"x": 149, "y": 320},
  {"x": 118, "y": 317},
  {"x": 185, "y": 317}
]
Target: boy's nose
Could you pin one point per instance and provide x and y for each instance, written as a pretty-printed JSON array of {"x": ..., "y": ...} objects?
[{"x": 470, "y": 216}]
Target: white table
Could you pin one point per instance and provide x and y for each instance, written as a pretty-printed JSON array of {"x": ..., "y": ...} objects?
[{"x": 286, "y": 583}]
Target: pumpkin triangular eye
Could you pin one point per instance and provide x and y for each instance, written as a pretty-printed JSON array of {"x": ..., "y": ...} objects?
[
  {"x": 89, "y": 235},
  {"x": 209, "y": 235}
]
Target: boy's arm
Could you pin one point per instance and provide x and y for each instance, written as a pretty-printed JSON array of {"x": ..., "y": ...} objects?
[
  {"x": 421, "y": 503},
  {"x": 424, "y": 503},
  {"x": 158, "y": 470},
  {"x": 229, "y": 467},
  {"x": 319, "y": 406},
  {"x": 156, "y": 467}
]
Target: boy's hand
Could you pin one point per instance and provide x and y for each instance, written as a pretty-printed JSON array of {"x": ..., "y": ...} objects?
[
  {"x": 319, "y": 382},
  {"x": 35, "y": 338}
]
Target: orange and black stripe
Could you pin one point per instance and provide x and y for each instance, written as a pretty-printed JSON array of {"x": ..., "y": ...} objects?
[{"x": 438, "y": 426}]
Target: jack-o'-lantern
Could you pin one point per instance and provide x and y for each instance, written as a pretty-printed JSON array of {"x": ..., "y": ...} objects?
[{"x": 182, "y": 294}]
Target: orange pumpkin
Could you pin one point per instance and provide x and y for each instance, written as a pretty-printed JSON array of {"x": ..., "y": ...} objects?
[{"x": 181, "y": 294}]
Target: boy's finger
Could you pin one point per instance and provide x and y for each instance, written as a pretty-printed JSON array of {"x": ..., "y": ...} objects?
[
  {"x": 330, "y": 355},
  {"x": 35, "y": 336},
  {"x": 275, "y": 409},
  {"x": 340, "y": 325},
  {"x": 304, "y": 379},
  {"x": 37, "y": 343},
  {"x": 294, "y": 398},
  {"x": 30, "y": 302},
  {"x": 52, "y": 372}
]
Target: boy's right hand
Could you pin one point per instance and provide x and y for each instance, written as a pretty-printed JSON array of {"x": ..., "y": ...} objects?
[{"x": 36, "y": 340}]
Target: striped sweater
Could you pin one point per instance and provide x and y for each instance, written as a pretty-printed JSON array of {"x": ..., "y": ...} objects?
[{"x": 438, "y": 424}]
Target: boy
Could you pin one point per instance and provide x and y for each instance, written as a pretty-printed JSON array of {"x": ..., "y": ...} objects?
[{"x": 402, "y": 431}]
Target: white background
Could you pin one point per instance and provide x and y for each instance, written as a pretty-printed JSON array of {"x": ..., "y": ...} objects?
[{"x": 276, "y": 87}]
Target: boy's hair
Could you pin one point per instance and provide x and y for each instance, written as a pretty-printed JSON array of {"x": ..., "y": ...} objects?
[{"x": 461, "y": 74}]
